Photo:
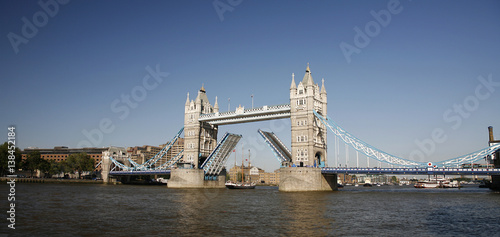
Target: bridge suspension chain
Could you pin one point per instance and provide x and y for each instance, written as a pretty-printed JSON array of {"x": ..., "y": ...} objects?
[
  {"x": 382, "y": 156},
  {"x": 469, "y": 158},
  {"x": 364, "y": 147}
]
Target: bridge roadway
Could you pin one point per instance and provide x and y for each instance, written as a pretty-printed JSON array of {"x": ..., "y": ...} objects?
[
  {"x": 415, "y": 171},
  {"x": 140, "y": 172},
  {"x": 329, "y": 170}
]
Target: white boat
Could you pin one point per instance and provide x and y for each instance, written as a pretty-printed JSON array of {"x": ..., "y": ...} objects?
[
  {"x": 241, "y": 185},
  {"x": 238, "y": 185},
  {"x": 162, "y": 180},
  {"x": 437, "y": 183}
]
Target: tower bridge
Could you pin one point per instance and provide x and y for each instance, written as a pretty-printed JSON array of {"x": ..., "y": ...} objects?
[{"x": 304, "y": 166}]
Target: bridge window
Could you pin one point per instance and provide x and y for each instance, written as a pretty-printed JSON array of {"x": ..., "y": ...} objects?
[
  {"x": 302, "y": 138},
  {"x": 301, "y": 92},
  {"x": 302, "y": 155}
]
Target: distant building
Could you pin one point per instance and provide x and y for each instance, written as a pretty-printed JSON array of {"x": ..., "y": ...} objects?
[
  {"x": 374, "y": 178},
  {"x": 251, "y": 173},
  {"x": 141, "y": 154},
  {"x": 61, "y": 153},
  {"x": 270, "y": 178},
  {"x": 345, "y": 179}
]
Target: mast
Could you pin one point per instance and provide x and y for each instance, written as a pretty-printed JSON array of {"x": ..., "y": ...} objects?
[
  {"x": 242, "y": 159},
  {"x": 249, "y": 165}
]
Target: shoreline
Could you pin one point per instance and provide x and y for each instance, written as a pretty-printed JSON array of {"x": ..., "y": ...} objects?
[{"x": 48, "y": 180}]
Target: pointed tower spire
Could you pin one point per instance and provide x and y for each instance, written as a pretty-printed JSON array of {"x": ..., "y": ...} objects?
[
  {"x": 202, "y": 87},
  {"x": 216, "y": 106},
  {"x": 308, "y": 80},
  {"x": 323, "y": 90},
  {"x": 187, "y": 100},
  {"x": 293, "y": 85}
]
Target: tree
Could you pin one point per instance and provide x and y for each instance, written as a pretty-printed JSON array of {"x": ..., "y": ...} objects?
[
  {"x": 64, "y": 167},
  {"x": 239, "y": 178},
  {"x": 80, "y": 162},
  {"x": 44, "y": 167},
  {"x": 32, "y": 162},
  {"x": 57, "y": 168},
  {"x": 394, "y": 179},
  {"x": 4, "y": 158}
]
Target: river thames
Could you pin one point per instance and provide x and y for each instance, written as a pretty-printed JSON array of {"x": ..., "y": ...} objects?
[{"x": 136, "y": 210}]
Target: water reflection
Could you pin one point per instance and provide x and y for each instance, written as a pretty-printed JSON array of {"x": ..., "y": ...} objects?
[
  {"x": 307, "y": 213},
  {"x": 126, "y": 210}
]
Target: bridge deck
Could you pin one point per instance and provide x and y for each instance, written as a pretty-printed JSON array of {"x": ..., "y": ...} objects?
[
  {"x": 415, "y": 171},
  {"x": 140, "y": 172},
  {"x": 247, "y": 115},
  {"x": 279, "y": 149}
]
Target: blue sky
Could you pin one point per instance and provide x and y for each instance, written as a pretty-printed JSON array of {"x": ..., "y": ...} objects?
[{"x": 407, "y": 81}]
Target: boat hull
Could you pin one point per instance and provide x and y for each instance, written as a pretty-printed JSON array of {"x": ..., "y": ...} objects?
[{"x": 240, "y": 186}]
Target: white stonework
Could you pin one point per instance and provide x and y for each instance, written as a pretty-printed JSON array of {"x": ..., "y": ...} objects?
[
  {"x": 200, "y": 137},
  {"x": 308, "y": 133}
]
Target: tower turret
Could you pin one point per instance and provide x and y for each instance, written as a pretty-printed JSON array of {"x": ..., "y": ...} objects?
[
  {"x": 308, "y": 135},
  {"x": 216, "y": 106}
]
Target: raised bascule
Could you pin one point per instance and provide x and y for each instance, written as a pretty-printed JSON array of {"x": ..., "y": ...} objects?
[{"x": 303, "y": 167}]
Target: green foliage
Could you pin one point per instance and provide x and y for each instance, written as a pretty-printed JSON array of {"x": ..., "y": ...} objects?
[
  {"x": 4, "y": 158},
  {"x": 240, "y": 178},
  {"x": 33, "y": 162},
  {"x": 80, "y": 162},
  {"x": 44, "y": 167}
]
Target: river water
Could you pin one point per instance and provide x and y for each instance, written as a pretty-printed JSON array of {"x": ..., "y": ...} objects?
[{"x": 136, "y": 210}]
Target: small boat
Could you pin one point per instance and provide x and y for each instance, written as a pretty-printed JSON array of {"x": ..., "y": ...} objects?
[
  {"x": 437, "y": 183},
  {"x": 339, "y": 185},
  {"x": 367, "y": 185},
  {"x": 241, "y": 185},
  {"x": 238, "y": 185},
  {"x": 162, "y": 180}
]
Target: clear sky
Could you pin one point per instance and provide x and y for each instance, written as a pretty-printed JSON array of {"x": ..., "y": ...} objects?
[{"x": 395, "y": 71}]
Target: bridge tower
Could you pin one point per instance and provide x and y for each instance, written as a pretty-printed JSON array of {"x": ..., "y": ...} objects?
[
  {"x": 200, "y": 138},
  {"x": 308, "y": 133},
  {"x": 308, "y": 139}
]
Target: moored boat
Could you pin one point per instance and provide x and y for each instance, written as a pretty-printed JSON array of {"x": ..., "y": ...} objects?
[
  {"x": 437, "y": 183},
  {"x": 239, "y": 185}
]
